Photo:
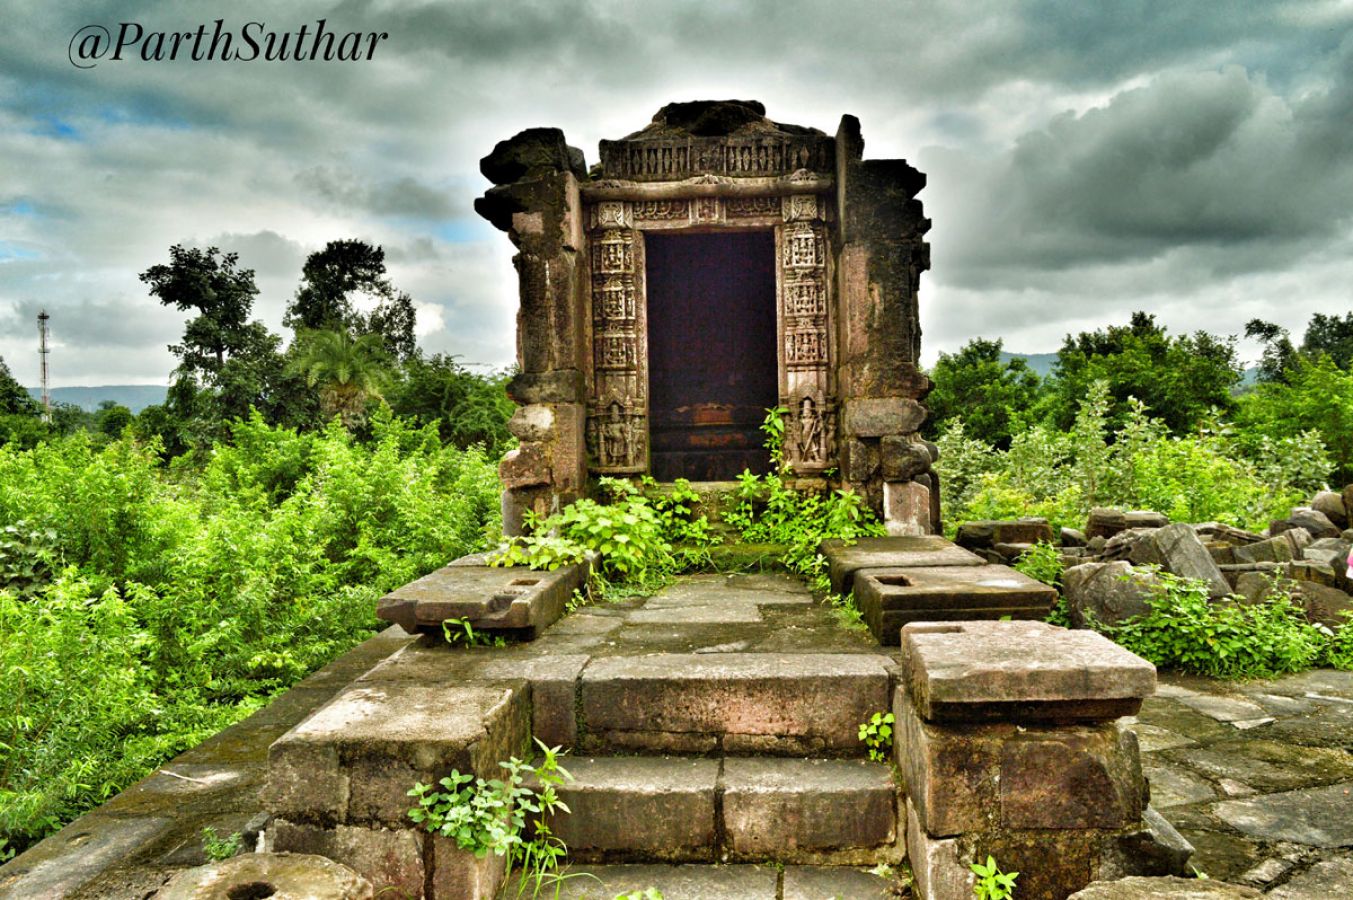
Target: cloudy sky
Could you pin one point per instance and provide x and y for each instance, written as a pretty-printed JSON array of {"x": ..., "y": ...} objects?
[{"x": 1193, "y": 158}]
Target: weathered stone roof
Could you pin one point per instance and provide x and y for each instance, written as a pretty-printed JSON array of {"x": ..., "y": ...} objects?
[{"x": 716, "y": 118}]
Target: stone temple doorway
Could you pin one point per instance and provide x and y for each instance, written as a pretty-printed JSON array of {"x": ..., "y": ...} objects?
[{"x": 713, "y": 366}]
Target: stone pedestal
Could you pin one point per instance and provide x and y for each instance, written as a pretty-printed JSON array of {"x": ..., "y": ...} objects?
[{"x": 1008, "y": 741}]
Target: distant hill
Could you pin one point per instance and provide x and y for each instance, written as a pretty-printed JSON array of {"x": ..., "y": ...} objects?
[
  {"x": 1040, "y": 362},
  {"x": 135, "y": 397}
]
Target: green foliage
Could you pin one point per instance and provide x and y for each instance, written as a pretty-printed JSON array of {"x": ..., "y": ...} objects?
[
  {"x": 1042, "y": 562},
  {"x": 1315, "y": 397},
  {"x": 461, "y": 631},
  {"x": 350, "y": 371},
  {"x": 1229, "y": 639},
  {"x": 492, "y": 816},
  {"x": 992, "y": 883},
  {"x": 14, "y": 397},
  {"x": 27, "y": 558},
  {"x": 773, "y": 427},
  {"x": 468, "y": 408},
  {"x": 1180, "y": 380},
  {"x": 1211, "y": 475},
  {"x": 992, "y": 396},
  {"x": 217, "y": 848},
  {"x": 649, "y": 893},
  {"x": 877, "y": 735},
  {"x": 164, "y": 604},
  {"x": 329, "y": 280}
]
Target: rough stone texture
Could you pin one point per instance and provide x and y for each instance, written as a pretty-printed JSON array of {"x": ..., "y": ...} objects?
[
  {"x": 1107, "y": 593},
  {"x": 970, "y": 778},
  {"x": 906, "y": 508},
  {"x": 556, "y": 386},
  {"x": 1020, "y": 671},
  {"x": 891, "y": 598},
  {"x": 653, "y": 808},
  {"x": 456, "y": 874},
  {"x": 1281, "y": 548},
  {"x": 489, "y": 598},
  {"x": 61, "y": 864},
  {"x": 1176, "y": 548},
  {"x": 1315, "y": 522},
  {"x": 1331, "y": 505},
  {"x": 1105, "y": 522},
  {"x": 353, "y": 760},
  {"x": 883, "y": 416},
  {"x": 822, "y": 883},
  {"x": 689, "y": 882},
  {"x": 1327, "y": 878},
  {"x": 696, "y": 702},
  {"x": 390, "y": 859},
  {"x": 286, "y": 875},
  {"x": 1315, "y": 816},
  {"x": 1071, "y": 537},
  {"x": 532, "y": 152},
  {"x": 989, "y": 533},
  {"x": 937, "y": 866},
  {"x": 1173, "y": 888},
  {"x": 890, "y": 552},
  {"x": 901, "y": 459},
  {"x": 793, "y": 809}
]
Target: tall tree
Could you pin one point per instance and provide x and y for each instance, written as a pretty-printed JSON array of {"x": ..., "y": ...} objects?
[
  {"x": 349, "y": 371},
  {"x": 991, "y": 395},
  {"x": 1179, "y": 378},
  {"x": 469, "y": 408},
  {"x": 1332, "y": 336},
  {"x": 330, "y": 279},
  {"x": 1279, "y": 354},
  {"x": 14, "y": 397}
]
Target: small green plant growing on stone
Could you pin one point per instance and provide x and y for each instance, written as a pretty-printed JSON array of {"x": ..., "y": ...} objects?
[
  {"x": 992, "y": 883},
  {"x": 217, "y": 848},
  {"x": 650, "y": 893},
  {"x": 773, "y": 427},
  {"x": 460, "y": 631},
  {"x": 877, "y": 735},
  {"x": 1042, "y": 562},
  {"x": 492, "y": 816}
]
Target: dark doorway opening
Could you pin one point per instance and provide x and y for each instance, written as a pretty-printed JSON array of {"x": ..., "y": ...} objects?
[{"x": 713, "y": 367}]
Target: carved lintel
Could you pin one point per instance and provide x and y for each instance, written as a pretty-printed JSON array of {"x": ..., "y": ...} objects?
[
  {"x": 801, "y": 208},
  {"x": 617, "y": 189}
]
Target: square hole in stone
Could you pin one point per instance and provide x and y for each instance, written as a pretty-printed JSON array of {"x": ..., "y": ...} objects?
[
  {"x": 525, "y": 582},
  {"x": 894, "y": 580}
]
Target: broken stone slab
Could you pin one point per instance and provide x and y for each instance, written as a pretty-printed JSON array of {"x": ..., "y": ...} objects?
[
  {"x": 489, "y": 598},
  {"x": 1331, "y": 505},
  {"x": 1104, "y": 522},
  {"x": 1327, "y": 878},
  {"x": 1020, "y": 672},
  {"x": 353, "y": 760},
  {"x": 989, "y": 533},
  {"x": 654, "y": 808},
  {"x": 980, "y": 778},
  {"x": 1166, "y": 888},
  {"x": 838, "y": 811},
  {"x": 891, "y": 598},
  {"x": 1282, "y": 548},
  {"x": 1176, "y": 548},
  {"x": 1108, "y": 593},
  {"x": 1316, "y": 817},
  {"x": 752, "y": 703},
  {"x": 1316, "y": 523},
  {"x": 1145, "y": 518},
  {"x": 890, "y": 552},
  {"x": 1229, "y": 533},
  {"x": 268, "y": 875}
]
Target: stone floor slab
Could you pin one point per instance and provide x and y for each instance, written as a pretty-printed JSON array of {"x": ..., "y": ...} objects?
[
  {"x": 887, "y": 552},
  {"x": 1224, "y": 709},
  {"x": 1174, "y": 786},
  {"x": 689, "y": 882},
  {"x": 1326, "y": 879},
  {"x": 830, "y": 882},
  {"x": 1318, "y": 817}
]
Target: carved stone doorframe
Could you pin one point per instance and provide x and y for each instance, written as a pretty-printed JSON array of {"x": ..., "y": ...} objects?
[{"x": 797, "y": 210}]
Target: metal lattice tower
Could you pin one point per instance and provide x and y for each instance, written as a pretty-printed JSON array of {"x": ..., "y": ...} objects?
[{"x": 42, "y": 357}]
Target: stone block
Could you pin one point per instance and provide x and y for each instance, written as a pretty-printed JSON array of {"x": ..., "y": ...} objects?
[
  {"x": 1332, "y": 506},
  {"x": 1167, "y": 888},
  {"x": 906, "y": 508},
  {"x": 881, "y": 416},
  {"x": 534, "y": 422},
  {"x": 1316, "y": 523},
  {"x": 455, "y": 874},
  {"x": 1105, "y": 522},
  {"x": 938, "y": 867},
  {"x": 890, "y": 552},
  {"x": 1107, "y": 593},
  {"x": 974, "y": 535},
  {"x": 488, "y": 597},
  {"x": 808, "y": 809},
  {"x": 531, "y": 152},
  {"x": 644, "y": 807},
  {"x": 859, "y": 460},
  {"x": 771, "y": 703},
  {"x": 390, "y": 859},
  {"x": 818, "y": 882},
  {"x": 1020, "y": 672},
  {"x": 556, "y": 386},
  {"x": 1071, "y": 537},
  {"x": 527, "y": 465},
  {"x": 902, "y": 459},
  {"x": 1145, "y": 518},
  {"x": 386, "y": 736},
  {"x": 1176, "y": 548},
  {"x": 268, "y": 874},
  {"x": 891, "y": 598},
  {"x": 980, "y": 778}
]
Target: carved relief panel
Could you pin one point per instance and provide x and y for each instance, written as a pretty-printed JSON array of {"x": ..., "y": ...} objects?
[
  {"x": 617, "y": 414},
  {"x": 805, "y": 339}
]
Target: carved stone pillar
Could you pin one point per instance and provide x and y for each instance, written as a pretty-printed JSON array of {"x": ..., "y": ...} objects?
[
  {"x": 617, "y": 405},
  {"x": 805, "y": 390}
]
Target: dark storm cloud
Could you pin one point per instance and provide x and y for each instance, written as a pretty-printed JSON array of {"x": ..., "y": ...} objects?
[{"x": 1187, "y": 158}]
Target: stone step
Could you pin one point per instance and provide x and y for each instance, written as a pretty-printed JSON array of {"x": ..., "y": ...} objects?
[
  {"x": 683, "y": 809},
  {"x": 707, "y": 882},
  {"x": 770, "y": 704}
]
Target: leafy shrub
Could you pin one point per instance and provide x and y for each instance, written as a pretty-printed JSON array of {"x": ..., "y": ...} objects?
[
  {"x": 181, "y": 599},
  {"x": 1226, "y": 639}
]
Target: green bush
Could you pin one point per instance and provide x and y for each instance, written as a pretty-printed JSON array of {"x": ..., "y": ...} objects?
[{"x": 171, "y": 602}]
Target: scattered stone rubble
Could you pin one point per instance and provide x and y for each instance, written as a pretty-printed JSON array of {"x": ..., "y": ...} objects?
[{"x": 1107, "y": 576}]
